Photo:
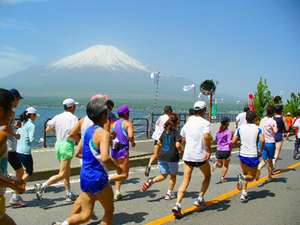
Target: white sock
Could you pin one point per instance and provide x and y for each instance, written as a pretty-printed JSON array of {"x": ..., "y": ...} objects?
[
  {"x": 68, "y": 192},
  {"x": 44, "y": 185},
  {"x": 200, "y": 198},
  {"x": 169, "y": 192},
  {"x": 118, "y": 192},
  {"x": 65, "y": 223},
  {"x": 14, "y": 195},
  {"x": 178, "y": 204},
  {"x": 244, "y": 192}
]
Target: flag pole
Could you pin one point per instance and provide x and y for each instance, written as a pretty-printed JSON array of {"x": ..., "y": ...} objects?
[{"x": 194, "y": 91}]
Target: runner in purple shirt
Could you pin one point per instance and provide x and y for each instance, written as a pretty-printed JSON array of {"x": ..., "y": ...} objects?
[{"x": 223, "y": 140}]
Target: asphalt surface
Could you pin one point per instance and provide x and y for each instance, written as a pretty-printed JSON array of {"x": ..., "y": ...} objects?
[{"x": 277, "y": 202}]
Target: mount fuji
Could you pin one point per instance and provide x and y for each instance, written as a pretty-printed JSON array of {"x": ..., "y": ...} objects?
[{"x": 99, "y": 68}]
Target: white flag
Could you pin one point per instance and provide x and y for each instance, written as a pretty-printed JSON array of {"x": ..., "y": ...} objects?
[
  {"x": 188, "y": 87},
  {"x": 154, "y": 75}
]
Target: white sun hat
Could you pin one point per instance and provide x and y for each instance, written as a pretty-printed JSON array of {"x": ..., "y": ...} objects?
[{"x": 32, "y": 110}]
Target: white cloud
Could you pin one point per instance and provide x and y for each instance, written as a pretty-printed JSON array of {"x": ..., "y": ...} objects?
[
  {"x": 12, "y": 60},
  {"x": 13, "y": 2},
  {"x": 13, "y": 24}
]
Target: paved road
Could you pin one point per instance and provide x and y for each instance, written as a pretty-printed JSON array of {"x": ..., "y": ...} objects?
[{"x": 277, "y": 202}]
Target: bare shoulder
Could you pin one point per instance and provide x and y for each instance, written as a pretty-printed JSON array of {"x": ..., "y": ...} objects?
[{"x": 102, "y": 132}]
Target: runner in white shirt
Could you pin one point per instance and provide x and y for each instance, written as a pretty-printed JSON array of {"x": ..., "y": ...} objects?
[
  {"x": 249, "y": 134},
  {"x": 241, "y": 117},
  {"x": 269, "y": 129},
  {"x": 196, "y": 135},
  {"x": 296, "y": 125},
  {"x": 159, "y": 129},
  {"x": 64, "y": 147}
]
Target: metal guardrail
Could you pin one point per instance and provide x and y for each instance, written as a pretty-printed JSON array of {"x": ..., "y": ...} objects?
[
  {"x": 46, "y": 136},
  {"x": 141, "y": 126},
  {"x": 146, "y": 126}
]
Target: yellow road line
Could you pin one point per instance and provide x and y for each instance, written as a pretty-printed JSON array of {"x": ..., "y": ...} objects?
[{"x": 221, "y": 197}]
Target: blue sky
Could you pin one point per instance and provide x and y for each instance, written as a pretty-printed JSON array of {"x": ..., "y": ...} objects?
[{"x": 234, "y": 42}]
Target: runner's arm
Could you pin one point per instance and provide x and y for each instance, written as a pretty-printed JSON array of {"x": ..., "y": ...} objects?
[
  {"x": 78, "y": 151},
  {"x": 262, "y": 142},
  {"x": 50, "y": 125},
  {"x": 130, "y": 131},
  {"x": 74, "y": 134},
  {"x": 207, "y": 142},
  {"x": 102, "y": 138}
]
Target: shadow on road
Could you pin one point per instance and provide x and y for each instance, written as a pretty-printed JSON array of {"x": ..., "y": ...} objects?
[
  {"x": 260, "y": 194},
  {"x": 274, "y": 180},
  {"x": 228, "y": 180},
  {"x": 132, "y": 181},
  {"x": 221, "y": 206},
  {"x": 139, "y": 194},
  {"x": 123, "y": 218}
]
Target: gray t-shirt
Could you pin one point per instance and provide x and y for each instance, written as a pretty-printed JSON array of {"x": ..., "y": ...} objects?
[{"x": 11, "y": 140}]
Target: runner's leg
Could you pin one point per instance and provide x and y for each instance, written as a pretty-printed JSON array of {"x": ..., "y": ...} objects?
[
  {"x": 87, "y": 202},
  {"x": 106, "y": 199},
  {"x": 225, "y": 167},
  {"x": 187, "y": 170},
  {"x": 205, "y": 169}
]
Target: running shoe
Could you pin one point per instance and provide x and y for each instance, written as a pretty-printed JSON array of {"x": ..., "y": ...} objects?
[
  {"x": 39, "y": 191},
  {"x": 17, "y": 202},
  {"x": 295, "y": 155},
  {"x": 239, "y": 184},
  {"x": 222, "y": 180},
  {"x": 118, "y": 196},
  {"x": 169, "y": 196},
  {"x": 176, "y": 210},
  {"x": 70, "y": 197},
  {"x": 146, "y": 185},
  {"x": 147, "y": 171},
  {"x": 200, "y": 203},
  {"x": 244, "y": 198}
]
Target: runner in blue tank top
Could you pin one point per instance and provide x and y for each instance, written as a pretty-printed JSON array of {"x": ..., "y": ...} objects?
[{"x": 93, "y": 176}]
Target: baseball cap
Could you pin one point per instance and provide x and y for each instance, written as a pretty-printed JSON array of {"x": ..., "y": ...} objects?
[
  {"x": 32, "y": 110},
  {"x": 16, "y": 93},
  {"x": 69, "y": 102},
  {"x": 199, "y": 105},
  {"x": 288, "y": 114},
  {"x": 123, "y": 109}
]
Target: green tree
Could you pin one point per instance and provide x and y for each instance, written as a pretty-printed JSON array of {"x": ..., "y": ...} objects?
[
  {"x": 262, "y": 97},
  {"x": 293, "y": 104}
]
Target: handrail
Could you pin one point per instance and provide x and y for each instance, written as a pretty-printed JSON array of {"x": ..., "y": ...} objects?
[
  {"x": 148, "y": 124},
  {"x": 146, "y": 130}
]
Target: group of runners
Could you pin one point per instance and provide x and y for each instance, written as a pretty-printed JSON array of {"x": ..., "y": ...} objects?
[{"x": 104, "y": 139}]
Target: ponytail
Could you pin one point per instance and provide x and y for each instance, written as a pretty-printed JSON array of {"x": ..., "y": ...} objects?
[{"x": 24, "y": 116}]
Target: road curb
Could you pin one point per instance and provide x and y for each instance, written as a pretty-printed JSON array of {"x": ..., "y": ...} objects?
[{"x": 135, "y": 161}]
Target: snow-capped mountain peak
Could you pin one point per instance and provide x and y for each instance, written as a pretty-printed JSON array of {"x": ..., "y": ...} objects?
[{"x": 105, "y": 56}]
